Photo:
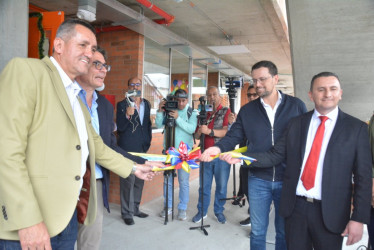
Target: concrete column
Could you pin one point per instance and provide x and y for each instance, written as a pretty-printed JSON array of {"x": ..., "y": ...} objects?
[
  {"x": 337, "y": 36},
  {"x": 14, "y": 27}
]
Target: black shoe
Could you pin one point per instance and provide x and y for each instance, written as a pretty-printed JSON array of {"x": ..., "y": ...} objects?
[
  {"x": 129, "y": 222},
  {"x": 237, "y": 200},
  {"x": 246, "y": 222},
  {"x": 141, "y": 215}
]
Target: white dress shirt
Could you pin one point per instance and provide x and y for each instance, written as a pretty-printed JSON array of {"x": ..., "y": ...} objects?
[
  {"x": 271, "y": 111},
  {"x": 315, "y": 192},
  {"x": 72, "y": 89}
]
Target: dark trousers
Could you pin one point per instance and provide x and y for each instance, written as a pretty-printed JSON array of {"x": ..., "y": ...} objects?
[
  {"x": 305, "y": 229},
  {"x": 243, "y": 181},
  {"x": 371, "y": 228},
  {"x": 63, "y": 241},
  {"x": 131, "y": 189}
]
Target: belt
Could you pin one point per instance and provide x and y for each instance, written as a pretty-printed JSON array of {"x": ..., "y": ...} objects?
[{"x": 311, "y": 200}]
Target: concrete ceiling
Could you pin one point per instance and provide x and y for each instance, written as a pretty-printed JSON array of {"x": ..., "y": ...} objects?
[{"x": 259, "y": 25}]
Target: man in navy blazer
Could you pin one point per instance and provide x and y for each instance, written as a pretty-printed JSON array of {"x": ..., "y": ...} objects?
[
  {"x": 101, "y": 111},
  {"x": 134, "y": 135},
  {"x": 320, "y": 216}
]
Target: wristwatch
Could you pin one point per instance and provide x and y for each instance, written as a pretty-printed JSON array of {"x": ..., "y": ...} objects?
[
  {"x": 211, "y": 134},
  {"x": 133, "y": 169}
]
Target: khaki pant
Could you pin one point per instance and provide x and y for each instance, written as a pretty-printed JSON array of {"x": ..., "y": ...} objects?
[{"x": 89, "y": 237}]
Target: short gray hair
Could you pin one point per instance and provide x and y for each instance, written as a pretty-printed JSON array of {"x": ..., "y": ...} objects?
[{"x": 67, "y": 28}]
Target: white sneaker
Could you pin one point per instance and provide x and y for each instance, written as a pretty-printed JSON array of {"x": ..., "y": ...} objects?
[
  {"x": 182, "y": 215},
  {"x": 162, "y": 213}
]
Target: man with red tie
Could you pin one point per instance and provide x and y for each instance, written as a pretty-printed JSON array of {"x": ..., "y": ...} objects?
[{"x": 323, "y": 149}]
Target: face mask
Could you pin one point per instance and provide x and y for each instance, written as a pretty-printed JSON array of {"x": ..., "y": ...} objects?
[{"x": 101, "y": 88}]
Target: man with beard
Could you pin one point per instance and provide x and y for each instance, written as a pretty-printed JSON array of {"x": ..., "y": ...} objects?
[{"x": 272, "y": 112}]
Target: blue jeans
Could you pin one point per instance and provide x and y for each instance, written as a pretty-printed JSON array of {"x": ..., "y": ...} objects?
[
  {"x": 221, "y": 172},
  {"x": 63, "y": 241},
  {"x": 261, "y": 194},
  {"x": 184, "y": 189}
]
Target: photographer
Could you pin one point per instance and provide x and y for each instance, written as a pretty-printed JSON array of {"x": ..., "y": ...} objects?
[
  {"x": 215, "y": 129},
  {"x": 186, "y": 122}
]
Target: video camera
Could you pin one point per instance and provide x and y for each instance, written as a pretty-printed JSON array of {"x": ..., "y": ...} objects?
[
  {"x": 232, "y": 83},
  {"x": 203, "y": 108},
  {"x": 171, "y": 103}
]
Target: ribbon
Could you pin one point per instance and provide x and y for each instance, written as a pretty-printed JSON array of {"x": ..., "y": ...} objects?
[
  {"x": 237, "y": 154},
  {"x": 183, "y": 158}
]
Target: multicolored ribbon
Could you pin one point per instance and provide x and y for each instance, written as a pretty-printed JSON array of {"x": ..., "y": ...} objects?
[
  {"x": 183, "y": 158},
  {"x": 186, "y": 159}
]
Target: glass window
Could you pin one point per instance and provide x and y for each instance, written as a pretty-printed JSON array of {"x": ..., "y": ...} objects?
[
  {"x": 199, "y": 80},
  {"x": 179, "y": 71},
  {"x": 156, "y": 75}
]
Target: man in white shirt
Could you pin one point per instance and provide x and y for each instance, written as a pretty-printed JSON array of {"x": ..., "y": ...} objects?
[
  {"x": 323, "y": 149},
  {"x": 262, "y": 123},
  {"x": 46, "y": 141}
]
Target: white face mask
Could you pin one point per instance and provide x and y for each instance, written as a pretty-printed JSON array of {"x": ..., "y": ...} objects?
[{"x": 101, "y": 88}]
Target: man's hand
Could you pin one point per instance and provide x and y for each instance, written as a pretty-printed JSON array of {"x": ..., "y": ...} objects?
[
  {"x": 144, "y": 172},
  {"x": 354, "y": 231},
  {"x": 130, "y": 111},
  {"x": 174, "y": 114},
  {"x": 161, "y": 106},
  {"x": 210, "y": 152},
  {"x": 154, "y": 164},
  {"x": 35, "y": 237},
  {"x": 204, "y": 129},
  {"x": 232, "y": 118},
  {"x": 227, "y": 158}
]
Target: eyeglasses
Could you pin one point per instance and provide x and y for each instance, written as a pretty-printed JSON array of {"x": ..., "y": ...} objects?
[
  {"x": 260, "y": 80},
  {"x": 250, "y": 95},
  {"x": 99, "y": 66},
  {"x": 135, "y": 84}
]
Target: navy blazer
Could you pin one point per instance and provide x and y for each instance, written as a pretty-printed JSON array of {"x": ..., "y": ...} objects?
[
  {"x": 348, "y": 154},
  {"x": 134, "y": 136},
  {"x": 106, "y": 122},
  {"x": 253, "y": 124}
]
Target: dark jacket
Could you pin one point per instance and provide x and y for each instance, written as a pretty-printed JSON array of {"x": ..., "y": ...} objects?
[
  {"x": 105, "y": 112},
  {"x": 253, "y": 124},
  {"x": 347, "y": 155},
  {"x": 133, "y": 136}
]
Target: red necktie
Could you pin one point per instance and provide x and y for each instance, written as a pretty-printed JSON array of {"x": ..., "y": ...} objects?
[{"x": 309, "y": 174}]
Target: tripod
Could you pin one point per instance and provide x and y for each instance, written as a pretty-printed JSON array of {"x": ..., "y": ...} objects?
[
  {"x": 169, "y": 142},
  {"x": 202, "y": 121},
  {"x": 231, "y": 91}
]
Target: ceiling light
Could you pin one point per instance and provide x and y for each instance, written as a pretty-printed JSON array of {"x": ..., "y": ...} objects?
[
  {"x": 87, "y": 10},
  {"x": 229, "y": 49}
]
